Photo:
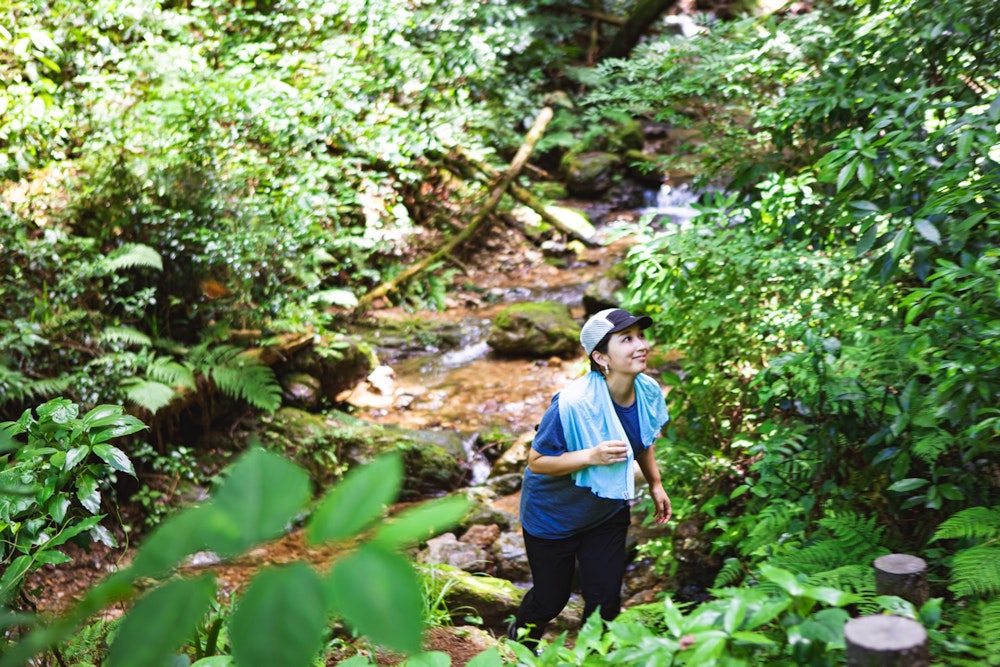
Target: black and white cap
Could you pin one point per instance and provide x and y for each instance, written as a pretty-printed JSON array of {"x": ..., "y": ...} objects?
[{"x": 607, "y": 322}]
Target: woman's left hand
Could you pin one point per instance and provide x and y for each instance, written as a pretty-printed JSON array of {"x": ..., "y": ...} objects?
[{"x": 661, "y": 501}]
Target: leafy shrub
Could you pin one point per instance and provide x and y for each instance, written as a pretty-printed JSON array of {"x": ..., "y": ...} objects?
[
  {"x": 52, "y": 484},
  {"x": 371, "y": 585}
]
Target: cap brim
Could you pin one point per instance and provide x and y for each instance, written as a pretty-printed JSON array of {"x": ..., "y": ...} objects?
[{"x": 643, "y": 321}]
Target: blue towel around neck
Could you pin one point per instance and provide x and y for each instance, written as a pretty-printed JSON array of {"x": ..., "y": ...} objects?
[{"x": 588, "y": 418}]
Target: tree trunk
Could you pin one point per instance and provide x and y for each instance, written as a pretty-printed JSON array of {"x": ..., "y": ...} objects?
[{"x": 635, "y": 26}]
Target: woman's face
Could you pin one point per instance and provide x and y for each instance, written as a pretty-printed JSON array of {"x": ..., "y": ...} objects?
[{"x": 627, "y": 351}]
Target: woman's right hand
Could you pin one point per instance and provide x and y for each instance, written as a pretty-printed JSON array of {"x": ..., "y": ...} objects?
[{"x": 609, "y": 452}]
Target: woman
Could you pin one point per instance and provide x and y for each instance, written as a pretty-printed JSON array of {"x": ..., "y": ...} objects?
[{"x": 580, "y": 479}]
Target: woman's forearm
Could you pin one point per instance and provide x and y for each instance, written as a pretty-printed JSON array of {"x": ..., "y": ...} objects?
[
  {"x": 606, "y": 453},
  {"x": 564, "y": 464},
  {"x": 647, "y": 463}
]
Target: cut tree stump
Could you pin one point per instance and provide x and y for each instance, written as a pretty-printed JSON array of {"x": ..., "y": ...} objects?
[
  {"x": 886, "y": 641},
  {"x": 904, "y": 576}
]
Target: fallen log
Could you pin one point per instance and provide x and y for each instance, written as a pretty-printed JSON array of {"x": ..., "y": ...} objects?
[
  {"x": 524, "y": 196},
  {"x": 496, "y": 192}
]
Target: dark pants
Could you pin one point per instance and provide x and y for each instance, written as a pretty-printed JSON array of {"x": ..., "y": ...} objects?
[{"x": 600, "y": 553}]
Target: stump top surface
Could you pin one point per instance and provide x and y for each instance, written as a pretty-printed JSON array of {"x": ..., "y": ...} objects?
[
  {"x": 900, "y": 564},
  {"x": 883, "y": 632}
]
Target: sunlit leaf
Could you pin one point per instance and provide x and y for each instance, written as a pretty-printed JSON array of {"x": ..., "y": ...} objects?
[
  {"x": 422, "y": 522},
  {"x": 88, "y": 493},
  {"x": 102, "y": 415},
  {"x": 358, "y": 500},
  {"x": 787, "y": 580},
  {"x": 378, "y": 593},
  {"x": 160, "y": 622},
  {"x": 74, "y": 456},
  {"x": 908, "y": 484},
  {"x": 927, "y": 229},
  {"x": 115, "y": 458},
  {"x": 280, "y": 619},
  {"x": 124, "y": 425}
]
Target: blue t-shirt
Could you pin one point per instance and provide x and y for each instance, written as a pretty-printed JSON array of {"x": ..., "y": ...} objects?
[{"x": 553, "y": 506}]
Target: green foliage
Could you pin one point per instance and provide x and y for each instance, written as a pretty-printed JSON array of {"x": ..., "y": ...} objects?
[
  {"x": 784, "y": 621},
  {"x": 975, "y": 637},
  {"x": 51, "y": 484},
  {"x": 371, "y": 585},
  {"x": 173, "y": 168},
  {"x": 240, "y": 375},
  {"x": 976, "y": 565},
  {"x": 834, "y": 305}
]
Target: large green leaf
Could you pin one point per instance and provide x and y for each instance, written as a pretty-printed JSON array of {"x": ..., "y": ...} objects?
[
  {"x": 102, "y": 415},
  {"x": 88, "y": 493},
  {"x": 488, "y": 658},
  {"x": 423, "y": 521},
  {"x": 429, "y": 659},
  {"x": 173, "y": 540},
  {"x": 280, "y": 620},
  {"x": 261, "y": 495},
  {"x": 358, "y": 500},
  {"x": 160, "y": 622},
  {"x": 124, "y": 425},
  {"x": 115, "y": 458},
  {"x": 10, "y": 582},
  {"x": 378, "y": 593}
]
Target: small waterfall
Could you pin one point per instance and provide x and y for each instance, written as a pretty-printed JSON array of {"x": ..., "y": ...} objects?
[
  {"x": 671, "y": 203},
  {"x": 479, "y": 466}
]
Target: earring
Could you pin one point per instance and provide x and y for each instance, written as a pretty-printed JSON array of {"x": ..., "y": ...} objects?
[{"x": 606, "y": 370}]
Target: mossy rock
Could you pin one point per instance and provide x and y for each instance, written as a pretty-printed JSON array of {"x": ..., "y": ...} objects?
[
  {"x": 606, "y": 290},
  {"x": 330, "y": 443},
  {"x": 589, "y": 175},
  {"x": 492, "y": 598},
  {"x": 537, "y": 329},
  {"x": 627, "y": 136}
]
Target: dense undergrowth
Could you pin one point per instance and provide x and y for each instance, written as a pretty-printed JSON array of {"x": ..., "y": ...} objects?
[{"x": 178, "y": 172}]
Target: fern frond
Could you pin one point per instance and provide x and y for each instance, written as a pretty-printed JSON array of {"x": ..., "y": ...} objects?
[
  {"x": 47, "y": 387},
  {"x": 976, "y": 571},
  {"x": 12, "y": 385},
  {"x": 771, "y": 523},
  {"x": 857, "y": 578},
  {"x": 732, "y": 572},
  {"x": 989, "y": 629},
  {"x": 131, "y": 255},
  {"x": 971, "y": 523},
  {"x": 170, "y": 372},
  {"x": 148, "y": 394},
  {"x": 242, "y": 376},
  {"x": 931, "y": 445},
  {"x": 827, "y": 554},
  {"x": 976, "y": 635},
  {"x": 126, "y": 335}
]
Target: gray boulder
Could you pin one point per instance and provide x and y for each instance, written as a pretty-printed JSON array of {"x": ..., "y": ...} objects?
[{"x": 535, "y": 330}]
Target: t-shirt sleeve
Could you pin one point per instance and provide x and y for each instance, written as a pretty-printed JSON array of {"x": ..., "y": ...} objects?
[{"x": 549, "y": 438}]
